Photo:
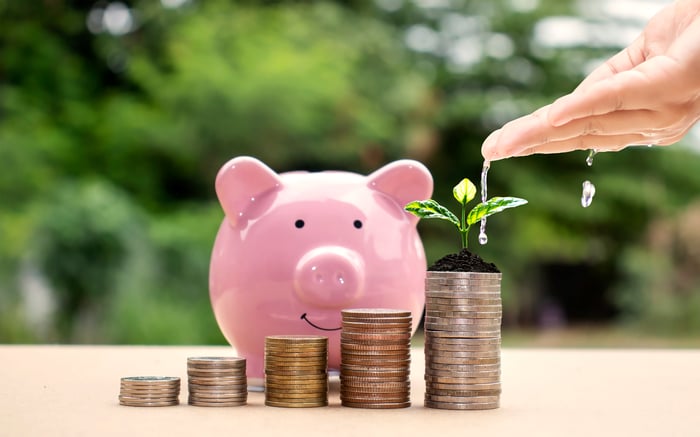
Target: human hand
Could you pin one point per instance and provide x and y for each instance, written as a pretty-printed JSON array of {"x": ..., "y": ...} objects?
[{"x": 649, "y": 93}]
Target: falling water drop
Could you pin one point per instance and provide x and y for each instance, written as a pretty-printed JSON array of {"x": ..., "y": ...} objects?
[
  {"x": 483, "y": 238},
  {"x": 587, "y": 194},
  {"x": 591, "y": 154}
]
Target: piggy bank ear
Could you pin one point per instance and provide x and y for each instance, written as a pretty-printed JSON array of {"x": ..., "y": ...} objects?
[
  {"x": 241, "y": 182},
  {"x": 404, "y": 181}
]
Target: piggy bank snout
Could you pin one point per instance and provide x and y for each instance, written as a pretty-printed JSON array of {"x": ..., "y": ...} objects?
[{"x": 329, "y": 277}]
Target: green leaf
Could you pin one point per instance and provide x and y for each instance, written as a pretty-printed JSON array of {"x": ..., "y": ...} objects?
[
  {"x": 492, "y": 206},
  {"x": 431, "y": 209},
  {"x": 464, "y": 191}
]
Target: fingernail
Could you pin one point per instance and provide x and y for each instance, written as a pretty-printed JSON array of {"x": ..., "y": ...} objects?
[{"x": 488, "y": 148}]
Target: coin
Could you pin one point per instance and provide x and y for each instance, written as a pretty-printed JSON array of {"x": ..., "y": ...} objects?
[
  {"x": 401, "y": 337},
  {"x": 209, "y": 362},
  {"x": 373, "y": 313},
  {"x": 151, "y": 380},
  {"x": 463, "y": 334},
  {"x": 284, "y": 404},
  {"x": 149, "y": 391},
  {"x": 217, "y": 381},
  {"x": 461, "y": 406},
  {"x": 376, "y": 405},
  {"x": 227, "y": 380}
]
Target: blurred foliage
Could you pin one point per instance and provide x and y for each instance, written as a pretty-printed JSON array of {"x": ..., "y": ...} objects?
[{"x": 115, "y": 117}]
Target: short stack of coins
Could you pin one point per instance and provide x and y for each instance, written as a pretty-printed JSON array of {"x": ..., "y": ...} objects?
[
  {"x": 296, "y": 371},
  {"x": 217, "y": 381},
  {"x": 375, "y": 358},
  {"x": 463, "y": 340},
  {"x": 149, "y": 391}
]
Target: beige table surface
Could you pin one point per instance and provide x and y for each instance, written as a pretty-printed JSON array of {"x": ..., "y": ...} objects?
[{"x": 72, "y": 391}]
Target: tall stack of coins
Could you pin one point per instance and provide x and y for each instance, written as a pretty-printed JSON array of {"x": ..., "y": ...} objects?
[
  {"x": 296, "y": 371},
  {"x": 217, "y": 381},
  {"x": 149, "y": 391},
  {"x": 375, "y": 358},
  {"x": 463, "y": 340}
]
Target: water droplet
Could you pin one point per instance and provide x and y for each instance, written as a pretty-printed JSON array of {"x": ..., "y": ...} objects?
[
  {"x": 589, "y": 159},
  {"x": 587, "y": 194},
  {"x": 483, "y": 239}
]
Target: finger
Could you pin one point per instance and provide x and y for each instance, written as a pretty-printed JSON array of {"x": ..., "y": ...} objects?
[
  {"x": 601, "y": 143},
  {"x": 638, "y": 88},
  {"x": 624, "y": 60},
  {"x": 534, "y": 130}
]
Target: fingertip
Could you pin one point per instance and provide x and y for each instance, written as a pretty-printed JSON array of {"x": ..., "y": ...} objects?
[{"x": 489, "y": 149}]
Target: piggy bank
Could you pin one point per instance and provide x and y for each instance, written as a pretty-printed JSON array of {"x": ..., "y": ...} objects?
[{"x": 294, "y": 249}]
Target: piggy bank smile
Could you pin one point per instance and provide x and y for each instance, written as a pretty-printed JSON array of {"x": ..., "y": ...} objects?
[
  {"x": 306, "y": 319},
  {"x": 294, "y": 249}
]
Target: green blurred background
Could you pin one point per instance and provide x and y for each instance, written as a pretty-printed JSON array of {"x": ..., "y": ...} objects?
[{"x": 115, "y": 118}]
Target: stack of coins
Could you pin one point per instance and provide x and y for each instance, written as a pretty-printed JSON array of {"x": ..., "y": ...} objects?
[
  {"x": 296, "y": 371},
  {"x": 217, "y": 381},
  {"x": 463, "y": 340},
  {"x": 375, "y": 358},
  {"x": 149, "y": 391}
]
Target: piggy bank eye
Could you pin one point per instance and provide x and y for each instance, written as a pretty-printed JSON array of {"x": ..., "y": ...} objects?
[
  {"x": 357, "y": 224},
  {"x": 299, "y": 224}
]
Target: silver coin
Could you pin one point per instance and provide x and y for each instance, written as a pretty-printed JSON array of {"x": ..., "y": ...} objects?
[{"x": 461, "y": 406}]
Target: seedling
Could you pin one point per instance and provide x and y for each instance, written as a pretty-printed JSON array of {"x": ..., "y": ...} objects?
[{"x": 464, "y": 192}]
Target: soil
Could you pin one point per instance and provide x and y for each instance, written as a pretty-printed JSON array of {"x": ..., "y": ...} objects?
[{"x": 464, "y": 261}]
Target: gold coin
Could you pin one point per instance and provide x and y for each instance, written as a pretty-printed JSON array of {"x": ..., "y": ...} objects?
[
  {"x": 375, "y": 312},
  {"x": 300, "y": 378},
  {"x": 296, "y": 353},
  {"x": 374, "y": 379},
  {"x": 375, "y": 405},
  {"x": 375, "y": 373},
  {"x": 217, "y": 381},
  {"x": 214, "y": 373},
  {"x": 296, "y": 339},
  {"x": 356, "y": 392},
  {"x": 284, "y": 404},
  {"x": 353, "y": 396}
]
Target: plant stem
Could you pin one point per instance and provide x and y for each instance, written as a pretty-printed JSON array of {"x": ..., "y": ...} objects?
[{"x": 464, "y": 229}]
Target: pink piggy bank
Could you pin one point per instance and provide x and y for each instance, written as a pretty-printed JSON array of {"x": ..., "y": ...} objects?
[{"x": 296, "y": 248}]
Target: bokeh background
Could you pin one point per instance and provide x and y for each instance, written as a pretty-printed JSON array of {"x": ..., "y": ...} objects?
[{"x": 115, "y": 117}]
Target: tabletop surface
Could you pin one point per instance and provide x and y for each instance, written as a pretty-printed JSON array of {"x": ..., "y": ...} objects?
[{"x": 73, "y": 390}]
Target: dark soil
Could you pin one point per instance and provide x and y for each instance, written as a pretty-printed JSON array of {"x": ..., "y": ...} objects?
[{"x": 464, "y": 261}]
